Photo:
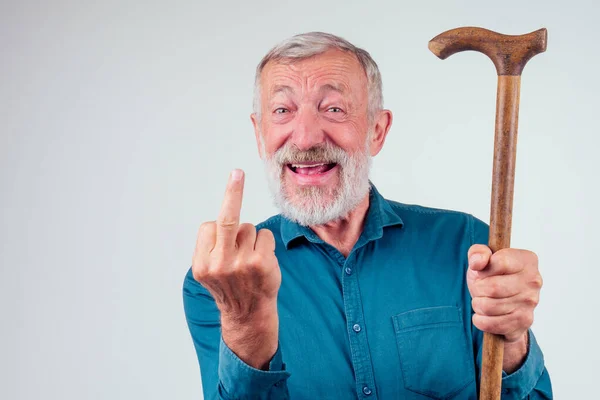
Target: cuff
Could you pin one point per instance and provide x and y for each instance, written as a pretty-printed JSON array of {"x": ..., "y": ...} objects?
[
  {"x": 238, "y": 380},
  {"x": 521, "y": 382}
]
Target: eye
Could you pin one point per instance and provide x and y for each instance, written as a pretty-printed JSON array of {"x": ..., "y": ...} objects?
[
  {"x": 281, "y": 110},
  {"x": 334, "y": 109}
]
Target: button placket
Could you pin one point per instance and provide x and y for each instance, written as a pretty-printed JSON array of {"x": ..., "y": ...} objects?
[{"x": 361, "y": 358}]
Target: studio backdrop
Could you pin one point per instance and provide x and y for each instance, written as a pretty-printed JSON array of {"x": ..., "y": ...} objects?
[{"x": 121, "y": 120}]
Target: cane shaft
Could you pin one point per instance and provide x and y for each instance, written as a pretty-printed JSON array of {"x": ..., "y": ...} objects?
[{"x": 503, "y": 178}]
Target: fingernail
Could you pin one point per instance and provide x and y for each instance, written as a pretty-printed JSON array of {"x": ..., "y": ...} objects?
[
  {"x": 474, "y": 259},
  {"x": 237, "y": 174}
]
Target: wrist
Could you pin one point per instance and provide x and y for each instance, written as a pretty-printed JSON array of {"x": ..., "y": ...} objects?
[
  {"x": 257, "y": 316},
  {"x": 515, "y": 353},
  {"x": 253, "y": 338},
  {"x": 521, "y": 342}
]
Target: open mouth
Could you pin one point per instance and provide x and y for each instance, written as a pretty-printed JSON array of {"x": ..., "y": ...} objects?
[{"x": 311, "y": 169}]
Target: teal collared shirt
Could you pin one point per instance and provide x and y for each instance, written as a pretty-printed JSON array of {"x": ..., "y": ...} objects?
[{"x": 390, "y": 321}]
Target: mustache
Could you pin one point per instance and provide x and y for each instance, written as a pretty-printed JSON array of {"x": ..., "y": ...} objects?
[{"x": 325, "y": 153}]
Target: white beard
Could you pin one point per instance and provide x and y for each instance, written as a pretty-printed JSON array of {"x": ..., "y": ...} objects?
[{"x": 310, "y": 207}]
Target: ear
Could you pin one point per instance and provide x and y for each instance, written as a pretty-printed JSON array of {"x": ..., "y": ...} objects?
[
  {"x": 256, "y": 123},
  {"x": 382, "y": 125}
]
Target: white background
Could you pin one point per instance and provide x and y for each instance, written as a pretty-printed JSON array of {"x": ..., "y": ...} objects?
[{"x": 119, "y": 124}]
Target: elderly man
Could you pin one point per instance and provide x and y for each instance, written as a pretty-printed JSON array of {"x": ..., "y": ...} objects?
[{"x": 345, "y": 294}]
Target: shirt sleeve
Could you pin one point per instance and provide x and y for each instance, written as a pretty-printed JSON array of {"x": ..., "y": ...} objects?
[
  {"x": 531, "y": 381},
  {"x": 224, "y": 375},
  {"x": 238, "y": 380}
]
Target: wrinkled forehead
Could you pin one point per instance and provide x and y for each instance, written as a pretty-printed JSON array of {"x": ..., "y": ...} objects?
[{"x": 333, "y": 70}]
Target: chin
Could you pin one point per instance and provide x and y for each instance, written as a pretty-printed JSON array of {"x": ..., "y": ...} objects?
[
  {"x": 310, "y": 197},
  {"x": 321, "y": 199},
  {"x": 303, "y": 193},
  {"x": 314, "y": 205}
]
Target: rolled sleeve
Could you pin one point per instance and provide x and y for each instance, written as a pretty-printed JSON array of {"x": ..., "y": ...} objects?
[
  {"x": 521, "y": 382},
  {"x": 238, "y": 380}
]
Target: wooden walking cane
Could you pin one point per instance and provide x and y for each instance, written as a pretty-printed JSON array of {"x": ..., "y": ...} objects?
[{"x": 509, "y": 54}]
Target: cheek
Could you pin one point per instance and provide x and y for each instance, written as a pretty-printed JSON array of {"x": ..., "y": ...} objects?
[
  {"x": 274, "y": 137},
  {"x": 351, "y": 136}
]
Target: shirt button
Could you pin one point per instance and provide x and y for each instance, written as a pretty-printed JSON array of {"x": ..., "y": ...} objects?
[
  {"x": 348, "y": 271},
  {"x": 366, "y": 390},
  {"x": 356, "y": 328}
]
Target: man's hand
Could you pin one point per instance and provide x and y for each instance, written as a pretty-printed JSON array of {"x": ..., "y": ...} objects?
[
  {"x": 505, "y": 288},
  {"x": 238, "y": 267}
]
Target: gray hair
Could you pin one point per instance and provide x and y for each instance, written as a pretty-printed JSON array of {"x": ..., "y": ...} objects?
[{"x": 310, "y": 44}]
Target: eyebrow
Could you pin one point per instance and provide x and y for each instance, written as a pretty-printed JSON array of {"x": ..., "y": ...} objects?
[
  {"x": 281, "y": 88},
  {"x": 325, "y": 88},
  {"x": 330, "y": 87}
]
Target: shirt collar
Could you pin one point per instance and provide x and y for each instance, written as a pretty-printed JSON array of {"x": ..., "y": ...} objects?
[{"x": 379, "y": 215}]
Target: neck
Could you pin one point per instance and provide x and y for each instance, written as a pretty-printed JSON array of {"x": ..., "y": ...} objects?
[{"x": 343, "y": 233}]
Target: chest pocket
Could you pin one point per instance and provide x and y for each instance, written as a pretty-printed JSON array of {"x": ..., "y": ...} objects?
[{"x": 435, "y": 356}]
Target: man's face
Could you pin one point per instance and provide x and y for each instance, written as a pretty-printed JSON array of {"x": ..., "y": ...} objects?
[{"x": 313, "y": 135}]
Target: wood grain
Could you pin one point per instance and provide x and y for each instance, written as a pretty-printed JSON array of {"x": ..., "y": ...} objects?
[
  {"x": 503, "y": 179},
  {"x": 509, "y": 54}
]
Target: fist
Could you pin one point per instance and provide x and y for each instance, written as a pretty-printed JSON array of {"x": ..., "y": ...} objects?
[
  {"x": 505, "y": 289},
  {"x": 236, "y": 264}
]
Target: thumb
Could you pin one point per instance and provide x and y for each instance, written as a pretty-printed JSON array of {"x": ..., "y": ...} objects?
[
  {"x": 479, "y": 257},
  {"x": 472, "y": 276}
]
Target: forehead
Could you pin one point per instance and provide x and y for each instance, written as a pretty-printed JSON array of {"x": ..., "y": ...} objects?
[{"x": 336, "y": 68}]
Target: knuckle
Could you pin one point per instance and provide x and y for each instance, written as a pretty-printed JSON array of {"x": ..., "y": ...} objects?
[
  {"x": 206, "y": 226},
  {"x": 486, "y": 305},
  {"x": 484, "y": 324},
  {"x": 246, "y": 233},
  {"x": 537, "y": 281},
  {"x": 238, "y": 264},
  {"x": 481, "y": 305},
  {"x": 199, "y": 271},
  {"x": 206, "y": 232},
  {"x": 475, "y": 305},
  {"x": 250, "y": 264},
  {"x": 256, "y": 262},
  {"x": 504, "y": 262},
  {"x": 519, "y": 318},
  {"x": 532, "y": 301},
  {"x": 526, "y": 319},
  {"x": 228, "y": 222},
  {"x": 246, "y": 228},
  {"x": 220, "y": 262},
  {"x": 493, "y": 289},
  {"x": 267, "y": 233},
  {"x": 489, "y": 306}
]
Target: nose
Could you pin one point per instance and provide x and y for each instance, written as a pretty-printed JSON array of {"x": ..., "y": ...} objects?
[{"x": 307, "y": 130}]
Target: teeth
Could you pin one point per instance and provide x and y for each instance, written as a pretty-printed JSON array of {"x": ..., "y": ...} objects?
[{"x": 306, "y": 166}]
